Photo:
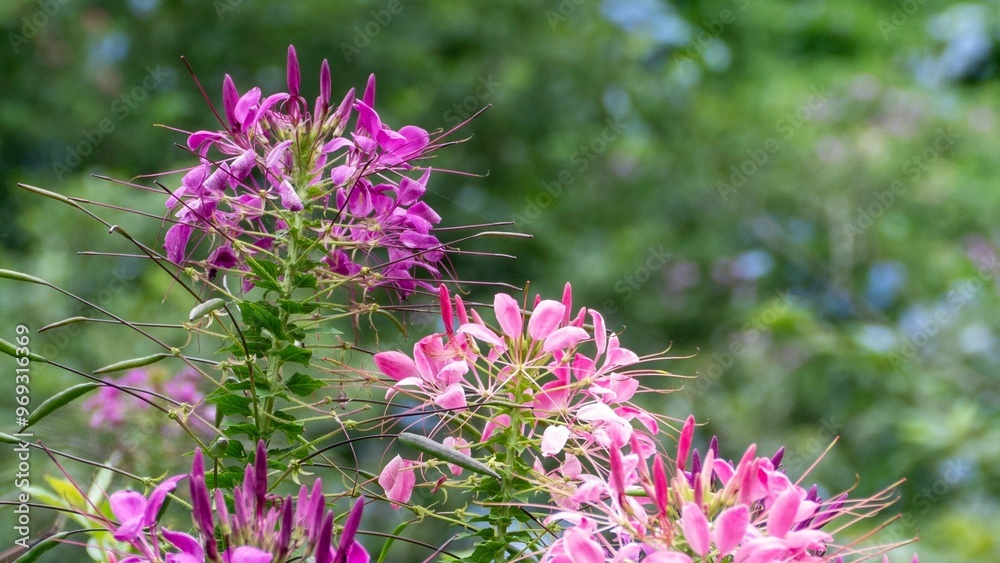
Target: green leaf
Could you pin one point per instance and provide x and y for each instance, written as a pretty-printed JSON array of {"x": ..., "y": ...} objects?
[
  {"x": 229, "y": 403},
  {"x": 133, "y": 363},
  {"x": 442, "y": 452},
  {"x": 303, "y": 385},
  {"x": 295, "y": 354},
  {"x": 287, "y": 424},
  {"x": 60, "y": 399},
  {"x": 259, "y": 316},
  {"x": 247, "y": 428},
  {"x": 8, "y": 439},
  {"x": 296, "y": 307},
  {"x": 305, "y": 281},
  {"x": 266, "y": 272},
  {"x": 226, "y": 478},
  {"x": 41, "y": 547}
]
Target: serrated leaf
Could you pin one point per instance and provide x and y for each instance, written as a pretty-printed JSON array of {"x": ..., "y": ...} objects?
[
  {"x": 228, "y": 403},
  {"x": 444, "y": 453},
  {"x": 303, "y": 385},
  {"x": 259, "y": 316},
  {"x": 296, "y": 307},
  {"x": 295, "y": 354},
  {"x": 58, "y": 400}
]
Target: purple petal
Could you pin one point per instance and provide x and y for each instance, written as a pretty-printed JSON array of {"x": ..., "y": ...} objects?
[
  {"x": 293, "y": 75},
  {"x": 176, "y": 242}
]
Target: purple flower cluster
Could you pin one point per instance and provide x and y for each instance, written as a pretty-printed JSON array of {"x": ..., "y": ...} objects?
[
  {"x": 278, "y": 171},
  {"x": 261, "y": 529}
]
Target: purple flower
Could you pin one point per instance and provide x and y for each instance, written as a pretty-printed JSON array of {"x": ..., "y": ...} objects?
[{"x": 374, "y": 231}]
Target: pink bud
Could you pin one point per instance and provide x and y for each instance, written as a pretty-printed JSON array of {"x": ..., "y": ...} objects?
[{"x": 684, "y": 443}]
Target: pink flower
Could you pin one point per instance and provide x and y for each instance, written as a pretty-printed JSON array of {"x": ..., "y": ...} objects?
[{"x": 398, "y": 480}]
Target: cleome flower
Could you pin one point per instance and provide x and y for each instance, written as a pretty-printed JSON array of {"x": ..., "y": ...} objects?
[
  {"x": 261, "y": 528},
  {"x": 548, "y": 384},
  {"x": 285, "y": 182},
  {"x": 710, "y": 510}
]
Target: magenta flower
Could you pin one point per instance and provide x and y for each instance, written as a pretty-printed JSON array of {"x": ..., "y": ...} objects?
[
  {"x": 261, "y": 529},
  {"x": 281, "y": 170}
]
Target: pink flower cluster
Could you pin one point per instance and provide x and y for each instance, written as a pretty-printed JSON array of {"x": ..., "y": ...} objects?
[
  {"x": 261, "y": 529},
  {"x": 279, "y": 163},
  {"x": 560, "y": 389},
  {"x": 569, "y": 404},
  {"x": 710, "y": 510},
  {"x": 110, "y": 408}
]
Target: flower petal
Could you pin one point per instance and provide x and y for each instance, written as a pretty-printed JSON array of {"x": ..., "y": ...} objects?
[{"x": 508, "y": 314}]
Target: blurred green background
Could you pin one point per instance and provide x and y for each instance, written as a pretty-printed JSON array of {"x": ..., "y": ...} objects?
[{"x": 797, "y": 197}]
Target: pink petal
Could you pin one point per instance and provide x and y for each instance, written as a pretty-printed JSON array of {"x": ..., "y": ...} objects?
[
  {"x": 129, "y": 507},
  {"x": 695, "y": 527},
  {"x": 480, "y": 332},
  {"x": 667, "y": 557},
  {"x": 730, "y": 527},
  {"x": 187, "y": 544},
  {"x": 545, "y": 318},
  {"x": 581, "y": 547},
  {"x": 453, "y": 398},
  {"x": 396, "y": 365},
  {"x": 157, "y": 496},
  {"x": 782, "y": 514},
  {"x": 247, "y": 554},
  {"x": 508, "y": 314},
  {"x": 398, "y": 481},
  {"x": 600, "y": 332},
  {"x": 563, "y": 338},
  {"x": 553, "y": 439}
]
